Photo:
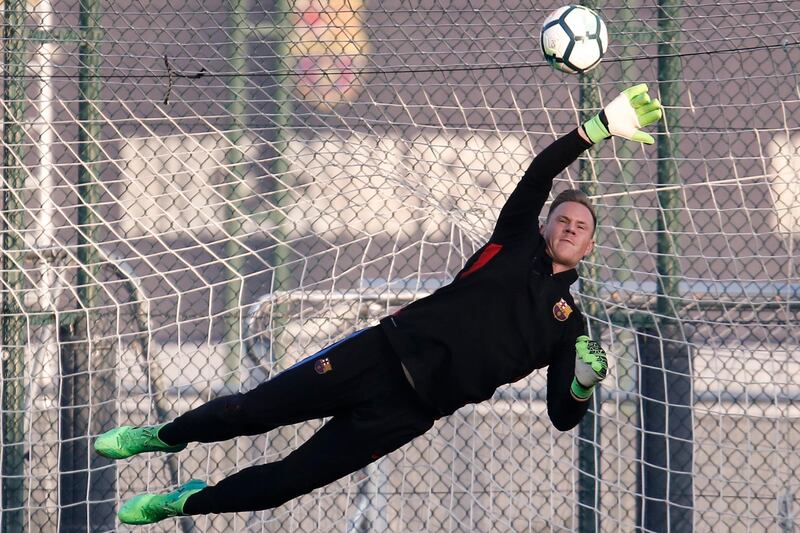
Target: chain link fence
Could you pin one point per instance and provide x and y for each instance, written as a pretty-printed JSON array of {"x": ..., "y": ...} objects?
[{"x": 196, "y": 195}]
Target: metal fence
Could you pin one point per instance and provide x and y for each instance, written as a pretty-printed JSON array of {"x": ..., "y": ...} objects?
[{"x": 198, "y": 194}]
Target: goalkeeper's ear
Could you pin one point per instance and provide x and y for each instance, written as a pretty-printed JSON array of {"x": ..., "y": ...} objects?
[{"x": 589, "y": 249}]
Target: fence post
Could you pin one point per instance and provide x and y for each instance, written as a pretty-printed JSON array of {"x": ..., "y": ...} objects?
[{"x": 666, "y": 501}]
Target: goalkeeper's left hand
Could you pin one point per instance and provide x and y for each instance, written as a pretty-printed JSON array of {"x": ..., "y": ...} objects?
[
  {"x": 631, "y": 110},
  {"x": 591, "y": 367}
]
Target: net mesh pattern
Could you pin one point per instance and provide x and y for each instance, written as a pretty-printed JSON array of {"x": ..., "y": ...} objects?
[{"x": 197, "y": 195}]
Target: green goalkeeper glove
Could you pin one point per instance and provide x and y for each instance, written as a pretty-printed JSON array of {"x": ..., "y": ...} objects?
[
  {"x": 591, "y": 367},
  {"x": 623, "y": 117}
]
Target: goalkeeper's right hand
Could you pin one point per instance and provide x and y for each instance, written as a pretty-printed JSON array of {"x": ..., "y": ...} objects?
[
  {"x": 591, "y": 367},
  {"x": 623, "y": 117}
]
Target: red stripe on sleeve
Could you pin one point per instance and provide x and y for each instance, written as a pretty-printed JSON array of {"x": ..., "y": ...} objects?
[{"x": 491, "y": 250}]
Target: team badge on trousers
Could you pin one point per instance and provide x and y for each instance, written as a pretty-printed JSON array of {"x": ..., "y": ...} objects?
[
  {"x": 561, "y": 310},
  {"x": 322, "y": 365}
]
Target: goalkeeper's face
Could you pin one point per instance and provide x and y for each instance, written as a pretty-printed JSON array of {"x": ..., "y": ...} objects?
[{"x": 568, "y": 232}]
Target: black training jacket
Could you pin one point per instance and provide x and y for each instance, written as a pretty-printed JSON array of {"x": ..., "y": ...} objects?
[{"x": 504, "y": 315}]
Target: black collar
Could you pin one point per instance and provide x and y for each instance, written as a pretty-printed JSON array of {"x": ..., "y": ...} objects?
[
  {"x": 568, "y": 276},
  {"x": 544, "y": 265}
]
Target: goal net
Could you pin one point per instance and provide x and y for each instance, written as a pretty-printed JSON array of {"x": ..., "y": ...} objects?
[{"x": 196, "y": 195}]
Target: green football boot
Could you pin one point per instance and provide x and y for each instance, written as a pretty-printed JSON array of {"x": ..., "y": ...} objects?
[
  {"x": 150, "y": 508},
  {"x": 125, "y": 441}
]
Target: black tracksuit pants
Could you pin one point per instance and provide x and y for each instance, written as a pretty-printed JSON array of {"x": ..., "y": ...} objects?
[{"x": 358, "y": 381}]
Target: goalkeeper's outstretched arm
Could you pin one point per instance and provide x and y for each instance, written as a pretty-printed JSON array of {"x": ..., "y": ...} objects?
[
  {"x": 520, "y": 214},
  {"x": 624, "y": 117}
]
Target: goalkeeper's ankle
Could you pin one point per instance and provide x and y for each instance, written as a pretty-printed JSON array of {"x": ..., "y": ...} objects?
[
  {"x": 181, "y": 496},
  {"x": 580, "y": 392},
  {"x": 164, "y": 434}
]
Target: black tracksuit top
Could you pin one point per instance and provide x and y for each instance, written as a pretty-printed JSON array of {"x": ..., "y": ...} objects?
[{"x": 504, "y": 315}]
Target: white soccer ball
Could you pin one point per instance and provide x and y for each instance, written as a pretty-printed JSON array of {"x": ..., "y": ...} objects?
[{"x": 574, "y": 39}]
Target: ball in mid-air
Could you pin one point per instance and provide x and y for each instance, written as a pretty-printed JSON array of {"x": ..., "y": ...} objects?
[{"x": 574, "y": 39}]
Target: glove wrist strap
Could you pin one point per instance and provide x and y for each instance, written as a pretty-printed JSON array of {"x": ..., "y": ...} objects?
[
  {"x": 579, "y": 392},
  {"x": 596, "y": 128}
]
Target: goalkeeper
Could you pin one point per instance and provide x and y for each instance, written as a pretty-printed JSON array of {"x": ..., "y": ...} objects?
[{"x": 507, "y": 312}]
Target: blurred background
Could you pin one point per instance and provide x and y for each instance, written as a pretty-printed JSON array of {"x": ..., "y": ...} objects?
[{"x": 196, "y": 195}]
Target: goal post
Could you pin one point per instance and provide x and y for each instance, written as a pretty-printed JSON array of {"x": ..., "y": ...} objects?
[
  {"x": 195, "y": 196},
  {"x": 665, "y": 483}
]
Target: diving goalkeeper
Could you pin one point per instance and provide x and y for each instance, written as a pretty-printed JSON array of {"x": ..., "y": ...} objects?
[{"x": 506, "y": 313}]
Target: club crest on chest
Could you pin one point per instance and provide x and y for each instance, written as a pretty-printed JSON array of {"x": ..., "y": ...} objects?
[
  {"x": 322, "y": 365},
  {"x": 562, "y": 310}
]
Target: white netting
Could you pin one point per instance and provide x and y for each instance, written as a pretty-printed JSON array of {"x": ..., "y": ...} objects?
[{"x": 197, "y": 195}]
